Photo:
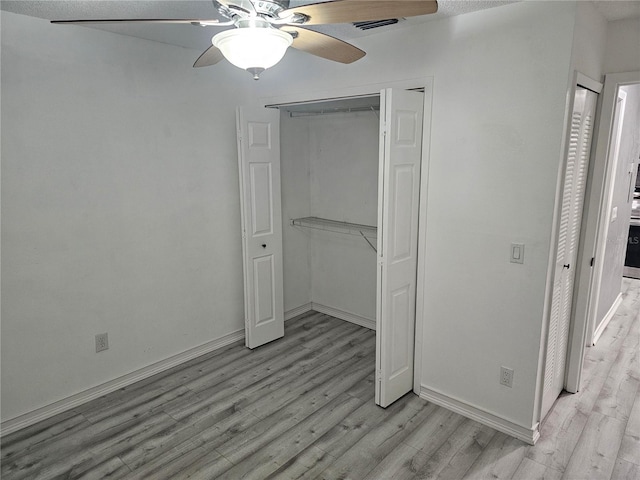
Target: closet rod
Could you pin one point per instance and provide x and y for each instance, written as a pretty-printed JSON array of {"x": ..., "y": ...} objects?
[
  {"x": 365, "y": 231},
  {"x": 313, "y": 113}
]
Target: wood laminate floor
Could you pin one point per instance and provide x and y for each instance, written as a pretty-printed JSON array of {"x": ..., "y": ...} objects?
[{"x": 302, "y": 407}]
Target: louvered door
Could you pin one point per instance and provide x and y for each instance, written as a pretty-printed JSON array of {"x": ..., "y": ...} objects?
[{"x": 577, "y": 163}]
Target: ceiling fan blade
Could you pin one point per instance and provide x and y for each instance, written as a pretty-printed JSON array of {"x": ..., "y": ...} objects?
[
  {"x": 140, "y": 20},
  {"x": 210, "y": 56},
  {"x": 350, "y": 11},
  {"x": 324, "y": 46}
]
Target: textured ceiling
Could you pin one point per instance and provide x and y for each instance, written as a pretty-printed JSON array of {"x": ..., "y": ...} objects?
[
  {"x": 199, "y": 37},
  {"x": 618, "y": 9}
]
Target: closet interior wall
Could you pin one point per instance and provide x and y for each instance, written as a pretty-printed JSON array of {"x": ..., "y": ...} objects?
[{"x": 329, "y": 169}]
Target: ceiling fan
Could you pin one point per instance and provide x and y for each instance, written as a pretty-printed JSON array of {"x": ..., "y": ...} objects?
[{"x": 264, "y": 29}]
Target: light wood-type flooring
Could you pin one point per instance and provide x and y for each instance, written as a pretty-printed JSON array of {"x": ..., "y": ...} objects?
[{"x": 302, "y": 407}]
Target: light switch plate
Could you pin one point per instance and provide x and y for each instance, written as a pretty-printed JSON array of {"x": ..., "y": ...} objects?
[{"x": 517, "y": 253}]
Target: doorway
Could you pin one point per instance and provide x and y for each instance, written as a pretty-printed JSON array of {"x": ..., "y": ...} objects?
[
  {"x": 578, "y": 152},
  {"x": 596, "y": 223}
]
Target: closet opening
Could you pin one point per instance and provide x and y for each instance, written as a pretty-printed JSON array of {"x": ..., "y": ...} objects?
[
  {"x": 330, "y": 199},
  {"x": 329, "y": 171}
]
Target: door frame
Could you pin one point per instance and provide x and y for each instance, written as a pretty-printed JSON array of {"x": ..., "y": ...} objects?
[
  {"x": 420, "y": 83},
  {"x": 593, "y": 230}
]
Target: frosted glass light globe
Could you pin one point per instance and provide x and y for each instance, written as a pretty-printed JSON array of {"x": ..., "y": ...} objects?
[{"x": 253, "y": 49}]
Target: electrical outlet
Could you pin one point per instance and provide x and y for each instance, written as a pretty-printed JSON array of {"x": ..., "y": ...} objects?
[
  {"x": 506, "y": 377},
  {"x": 102, "y": 342}
]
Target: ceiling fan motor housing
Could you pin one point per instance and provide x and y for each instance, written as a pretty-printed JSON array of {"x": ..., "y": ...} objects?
[
  {"x": 270, "y": 8},
  {"x": 265, "y": 8}
]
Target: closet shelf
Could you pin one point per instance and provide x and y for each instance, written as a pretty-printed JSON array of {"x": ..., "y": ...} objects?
[
  {"x": 364, "y": 231},
  {"x": 336, "y": 226}
]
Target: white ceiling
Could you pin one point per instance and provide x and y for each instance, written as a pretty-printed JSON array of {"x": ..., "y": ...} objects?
[
  {"x": 198, "y": 37},
  {"x": 618, "y": 10}
]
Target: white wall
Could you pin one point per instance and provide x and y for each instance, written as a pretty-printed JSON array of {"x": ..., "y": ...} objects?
[
  {"x": 623, "y": 39},
  {"x": 618, "y": 230},
  {"x": 344, "y": 186},
  {"x": 296, "y": 202},
  {"x": 335, "y": 156},
  {"x": 120, "y": 207},
  {"x": 589, "y": 41},
  {"x": 495, "y": 161},
  {"x": 500, "y": 85}
]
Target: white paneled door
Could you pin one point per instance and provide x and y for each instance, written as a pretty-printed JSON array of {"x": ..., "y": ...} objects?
[
  {"x": 259, "y": 167},
  {"x": 575, "y": 177},
  {"x": 398, "y": 200}
]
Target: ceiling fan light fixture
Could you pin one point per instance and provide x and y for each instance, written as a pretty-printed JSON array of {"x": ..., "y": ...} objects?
[{"x": 253, "y": 49}]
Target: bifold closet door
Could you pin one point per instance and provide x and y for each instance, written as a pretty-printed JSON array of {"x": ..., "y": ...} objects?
[
  {"x": 575, "y": 178},
  {"x": 258, "y": 133},
  {"x": 401, "y": 115}
]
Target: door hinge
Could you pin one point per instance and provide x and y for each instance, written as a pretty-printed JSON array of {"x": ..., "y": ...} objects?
[
  {"x": 592, "y": 259},
  {"x": 379, "y": 376}
]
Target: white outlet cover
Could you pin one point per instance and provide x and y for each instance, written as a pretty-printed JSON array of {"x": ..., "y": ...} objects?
[
  {"x": 102, "y": 342},
  {"x": 506, "y": 377}
]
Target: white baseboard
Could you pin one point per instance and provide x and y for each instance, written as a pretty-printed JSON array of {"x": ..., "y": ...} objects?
[
  {"x": 607, "y": 318},
  {"x": 14, "y": 424},
  {"x": 294, "y": 312},
  {"x": 342, "y": 315},
  {"x": 27, "y": 419},
  {"x": 529, "y": 435}
]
